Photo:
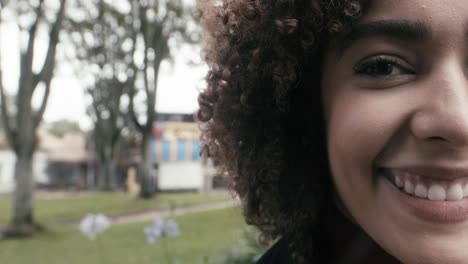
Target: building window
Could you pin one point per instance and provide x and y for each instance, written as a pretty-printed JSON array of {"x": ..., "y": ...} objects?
[
  {"x": 166, "y": 150},
  {"x": 196, "y": 150},
  {"x": 181, "y": 149}
]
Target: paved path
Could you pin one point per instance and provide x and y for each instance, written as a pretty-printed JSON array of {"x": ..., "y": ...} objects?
[{"x": 150, "y": 215}]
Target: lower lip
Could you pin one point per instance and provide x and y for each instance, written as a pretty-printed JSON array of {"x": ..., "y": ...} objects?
[{"x": 440, "y": 212}]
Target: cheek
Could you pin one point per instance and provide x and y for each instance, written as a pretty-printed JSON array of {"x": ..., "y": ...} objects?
[
  {"x": 361, "y": 124},
  {"x": 358, "y": 125}
]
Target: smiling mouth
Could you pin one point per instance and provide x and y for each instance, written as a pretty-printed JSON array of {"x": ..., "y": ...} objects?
[{"x": 422, "y": 187}]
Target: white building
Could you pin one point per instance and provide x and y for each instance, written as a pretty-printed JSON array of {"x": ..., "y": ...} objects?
[{"x": 51, "y": 148}]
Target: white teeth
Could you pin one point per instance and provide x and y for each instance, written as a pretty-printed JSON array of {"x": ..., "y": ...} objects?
[
  {"x": 420, "y": 191},
  {"x": 399, "y": 183},
  {"x": 436, "y": 193},
  {"x": 465, "y": 190},
  {"x": 409, "y": 187},
  {"x": 423, "y": 188},
  {"x": 455, "y": 192}
]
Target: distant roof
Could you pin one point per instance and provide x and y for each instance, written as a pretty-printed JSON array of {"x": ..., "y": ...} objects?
[{"x": 69, "y": 148}]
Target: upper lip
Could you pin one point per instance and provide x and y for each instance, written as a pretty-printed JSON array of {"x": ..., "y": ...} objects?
[{"x": 434, "y": 172}]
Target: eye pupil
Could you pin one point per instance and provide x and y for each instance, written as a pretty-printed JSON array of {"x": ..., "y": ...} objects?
[{"x": 381, "y": 69}]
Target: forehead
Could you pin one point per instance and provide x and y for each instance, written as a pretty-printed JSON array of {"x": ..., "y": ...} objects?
[
  {"x": 438, "y": 24},
  {"x": 438, "y": 15}
]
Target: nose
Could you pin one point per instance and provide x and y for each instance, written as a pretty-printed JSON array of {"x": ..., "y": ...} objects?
[{"x": 443, "y": 112}]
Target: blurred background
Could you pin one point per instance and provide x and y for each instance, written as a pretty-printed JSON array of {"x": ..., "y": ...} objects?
[{"x": 99, "y": 146}]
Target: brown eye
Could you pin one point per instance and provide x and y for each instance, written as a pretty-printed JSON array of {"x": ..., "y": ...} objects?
[
  {"x": 381, "y": 66},
  {"x": 380, "y": 69}
]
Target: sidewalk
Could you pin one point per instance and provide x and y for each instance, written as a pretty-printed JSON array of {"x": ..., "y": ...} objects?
[{"x": 149, "y": 215}]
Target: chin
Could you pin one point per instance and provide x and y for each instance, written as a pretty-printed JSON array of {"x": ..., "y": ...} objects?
[{"x": 431, "y": 251}]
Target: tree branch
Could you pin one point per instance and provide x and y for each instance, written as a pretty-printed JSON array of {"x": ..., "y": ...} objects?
[
  {"x": 146, "y": 33},
  {"x": 40, "y": 113},
  {"x": 151, "y": 99},
  {"x": 132, "y": 80},
  {"x": 46, "y": 72},
  {"x": 131, "y": 107},
  {"x": 27, "y": 57},
  {"x": 9, "y": 131},
  {"x": 49, "y": 63},
  {"x": 145, "y": 71}
]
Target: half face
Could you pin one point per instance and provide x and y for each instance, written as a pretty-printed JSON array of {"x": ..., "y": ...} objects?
[{"x": 395, "y": 93}]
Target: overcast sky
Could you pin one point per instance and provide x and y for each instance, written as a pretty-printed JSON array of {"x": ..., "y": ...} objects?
[{"x": 178, "y": 85}]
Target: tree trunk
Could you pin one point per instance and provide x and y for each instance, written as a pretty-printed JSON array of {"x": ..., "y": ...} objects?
[
  {"x": 22, "y": 223},
  {"x": 107, "y": 174},
  {"x": 145, "y": 169},
  {"x": 23, "y": 210},
  {"x": 20, "y": 129}
]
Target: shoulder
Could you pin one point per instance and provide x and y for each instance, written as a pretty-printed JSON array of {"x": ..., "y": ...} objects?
[{"x": 276, "y": 254}]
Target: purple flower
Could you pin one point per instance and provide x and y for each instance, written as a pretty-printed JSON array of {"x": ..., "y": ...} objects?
[
  {"x": 160, "y": 229},
  {"x": 93, "y": 224}
]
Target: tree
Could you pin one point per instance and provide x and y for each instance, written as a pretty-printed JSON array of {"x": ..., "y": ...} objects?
[
  {"x": 103, "y": 41},
  {"x": 157, "y": 23},
  {"x": 126, "y": 48},
  {"x": 21, "y": 129}
]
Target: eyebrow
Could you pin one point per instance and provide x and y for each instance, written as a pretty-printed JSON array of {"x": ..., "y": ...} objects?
[{"x": 404, "y": 30}]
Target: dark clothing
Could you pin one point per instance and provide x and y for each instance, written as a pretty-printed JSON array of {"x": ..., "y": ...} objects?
[
  {"x": 339, "y": 242},
  {"x": 276, "y": 254},
  {"x": 360, "y": 251}
]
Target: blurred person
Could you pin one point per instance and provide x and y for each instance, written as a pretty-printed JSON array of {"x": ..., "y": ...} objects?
[{"x": 343, "y": 125}]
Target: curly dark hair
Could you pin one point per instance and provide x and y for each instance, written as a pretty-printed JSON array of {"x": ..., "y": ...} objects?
[{"x": 261, "y": 114}]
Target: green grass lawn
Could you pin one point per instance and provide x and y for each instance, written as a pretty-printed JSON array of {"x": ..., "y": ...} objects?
[
  {"x": 203, "y": 237},
  {"x": 74, "y": 207}
]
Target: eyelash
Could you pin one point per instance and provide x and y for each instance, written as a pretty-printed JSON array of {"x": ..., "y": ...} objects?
[{"x": 364, "y": 66}]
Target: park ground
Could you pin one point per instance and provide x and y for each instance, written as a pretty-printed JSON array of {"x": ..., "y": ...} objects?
[{"x": 210, "y": 223}]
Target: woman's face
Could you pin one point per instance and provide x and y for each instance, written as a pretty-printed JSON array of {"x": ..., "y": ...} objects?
[{"x": 395, "y": 92}]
